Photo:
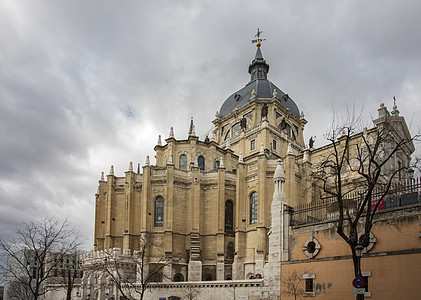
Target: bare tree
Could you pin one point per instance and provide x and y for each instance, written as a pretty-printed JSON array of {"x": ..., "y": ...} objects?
[
  {"x": 293, "y": 284},
  {"x": 18, "y": 291},
  {"x": 190, "y": 293},
  {"x": 130, "y": 273},
  {"x": 67, "y": 272},
  {"x": 361, "y": 170},
  {"x": 29, "y": 263}
]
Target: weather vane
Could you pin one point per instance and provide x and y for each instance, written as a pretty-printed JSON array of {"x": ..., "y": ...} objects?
[{"x": 258, "y": 41}]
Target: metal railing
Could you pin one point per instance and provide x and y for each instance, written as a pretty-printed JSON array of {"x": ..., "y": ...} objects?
[{"x": 327, "y": 209}]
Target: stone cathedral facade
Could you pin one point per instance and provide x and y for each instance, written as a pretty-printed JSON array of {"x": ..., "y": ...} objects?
[
  {"x": 220, "y": 208},
  {"x": 209, "y": 202}
]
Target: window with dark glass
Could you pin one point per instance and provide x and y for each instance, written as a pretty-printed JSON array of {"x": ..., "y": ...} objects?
[
  {"x": 201, "y": 162},
  {"x": 183, "y": 162},
  {"x": 159, "y": 212},
  {"x": 309, "y": 285},
  {"x": 229, "y": 215},
  {"x": 274, "y": 144},
  {"x": 253, "y": 208},
  {"x": 252, "y": 145}
]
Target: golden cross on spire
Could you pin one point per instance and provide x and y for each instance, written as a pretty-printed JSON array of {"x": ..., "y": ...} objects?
[{"x": 258, "y": 41}]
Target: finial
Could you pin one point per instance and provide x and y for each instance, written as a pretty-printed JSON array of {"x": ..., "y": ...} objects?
[
  {"x": 253, "y": 94},
  {"x": 138, "y": 168},
  {"x": 147, "y": 163},
  {"x": 262, "y": 149},
  {"x": 159, "y": 140},
  {"x": 302, "y": 115},
  {"x": 217, "y": 115},
  {"x": 258, "y": 41},
  {"x": 289, "y": 151},
  {"x": 171, "y": 133},
  {"x": 112, "y": 170},
  {"x": 213, "y": 138},
  {"x": 192, "y": 129},
  {"x": 240, "y": 158},
  {"x": 275, "y": 93},
  {"x": 279, "y": 172},
  {"x": 395, "y": 110},
  {"x": 102, "y": 176},
  {"x": 221, "y": 162},
  {"x": 131, "y": 167},
  {"x": 170, "y": 159}
]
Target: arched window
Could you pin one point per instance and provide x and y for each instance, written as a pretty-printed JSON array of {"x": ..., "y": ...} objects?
[
  {"x": 159, "y": 212},
  {"x": 216, "y": 164},
  {"x": 183, "y": 162},
  {"x": 229, "y": 216},
  {"x": 253, "y": 208},
  {"x": 178, "y": 277},
  {"x": 201, "y": 162}
]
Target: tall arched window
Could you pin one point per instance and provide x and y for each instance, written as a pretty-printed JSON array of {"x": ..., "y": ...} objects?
[
  {"x": 253, "y": 208},
  {"x": 183, "y": 162},
  {"x": 201, "y": 162},
  {"x": 229, "y": 215},
  {"x": 159, "y": 212}
]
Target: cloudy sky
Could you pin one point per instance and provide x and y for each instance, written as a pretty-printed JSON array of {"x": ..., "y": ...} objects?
[{"x": 87, "y": 84}]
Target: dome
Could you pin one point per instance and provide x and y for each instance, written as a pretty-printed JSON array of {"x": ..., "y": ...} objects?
[{"x": 263, "y": 87}]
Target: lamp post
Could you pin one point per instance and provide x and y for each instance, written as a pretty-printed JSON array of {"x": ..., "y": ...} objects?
[{"x": 359, "y": 253}]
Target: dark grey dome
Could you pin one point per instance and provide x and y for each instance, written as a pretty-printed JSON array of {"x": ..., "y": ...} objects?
[{"x": 264, "y": 89}]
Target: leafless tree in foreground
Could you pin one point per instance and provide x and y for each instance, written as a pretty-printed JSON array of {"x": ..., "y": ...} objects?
[
  {"x": 29, "y": 264},
  {"x": 190, "y": 293},
  {"x": 130, "y": 273},
  {"x": 18, "y": 291},
  {"x": 293, "y": 284},
  {"x": 360, "y": 172}
]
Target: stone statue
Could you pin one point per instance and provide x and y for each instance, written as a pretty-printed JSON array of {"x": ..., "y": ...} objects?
[
  {"x": 283, "y": 124},
  {"x": 243, "y": 123},
  {"x": 311, "y": 143},
  {"x": 264, "y": 111}
]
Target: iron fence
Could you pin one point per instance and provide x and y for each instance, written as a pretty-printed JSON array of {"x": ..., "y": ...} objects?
[{"x": 327, "y": 209}]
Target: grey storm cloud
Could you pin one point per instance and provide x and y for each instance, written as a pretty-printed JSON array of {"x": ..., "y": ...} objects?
[{"x": 87, "y": 84}]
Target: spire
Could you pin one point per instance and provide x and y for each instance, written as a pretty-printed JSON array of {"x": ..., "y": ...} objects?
[
  {"x": 258, "y": 68},
  {"x": 112, "y": 170},
  {"x": 102, "y": 176},
  {"x": 171, "y": 133},
  {"x": 147, "y": 163},
  {"x": 131, "y": 167},
  {"x": 192, "y": 129},
  {"x": 159, "y": 140}
]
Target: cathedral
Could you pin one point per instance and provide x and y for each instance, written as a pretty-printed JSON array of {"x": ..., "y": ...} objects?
[
  {"x": 222, "y": 209},
  {"x": 208, "y": 202}
]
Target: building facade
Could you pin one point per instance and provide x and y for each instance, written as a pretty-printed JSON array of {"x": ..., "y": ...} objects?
[{"x": 221, "y": 210}]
